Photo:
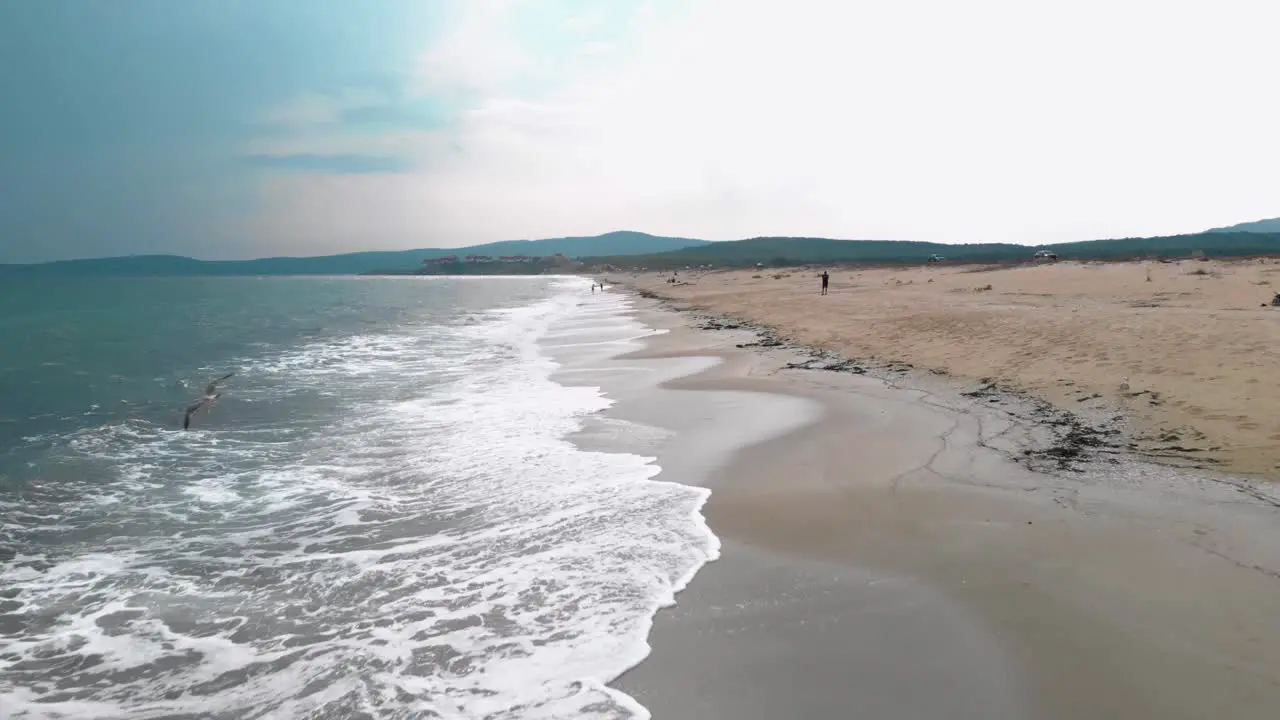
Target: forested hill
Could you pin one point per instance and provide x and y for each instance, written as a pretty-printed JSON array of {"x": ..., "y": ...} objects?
[
  {"x": 780, "y": 251},
  {"x": 616, "y": 243},
  {"x": 639, "y": 250},
  {"x": 1257, "y": 226}
]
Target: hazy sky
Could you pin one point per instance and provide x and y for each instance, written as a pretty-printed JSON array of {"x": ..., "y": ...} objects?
[{"x": 221, "y": 129}]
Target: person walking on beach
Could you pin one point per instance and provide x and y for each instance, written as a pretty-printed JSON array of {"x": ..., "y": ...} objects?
[{"x": 826, "y": 279}]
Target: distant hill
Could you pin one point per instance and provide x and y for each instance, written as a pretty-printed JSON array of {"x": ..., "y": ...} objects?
[
  {"x": 615, "y": 244},
  {"x": 622, "y": 242},
  {"x": 639, "y": 250},
  {"x": 1212, "y": 244},
  {"x": 1257, "y": 226},
  {"x": 783, "y": 251},
  {"x": 802, "y": 250}
]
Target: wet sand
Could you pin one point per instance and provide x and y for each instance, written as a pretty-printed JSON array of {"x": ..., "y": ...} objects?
[
  {"x": 884, "y": 556},
  {"x": 1184, "y": 350}
]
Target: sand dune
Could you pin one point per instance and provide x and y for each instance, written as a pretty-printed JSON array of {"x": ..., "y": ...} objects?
[{"x": 1183, "y": 349}]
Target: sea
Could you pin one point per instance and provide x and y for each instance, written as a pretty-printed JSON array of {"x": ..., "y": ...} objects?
[{"x": 382, "y": 516}]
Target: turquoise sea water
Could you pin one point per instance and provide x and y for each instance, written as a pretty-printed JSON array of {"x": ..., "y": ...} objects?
[
  {"x": 79, "y": 353},
  {"x": 381, "y": 517}
]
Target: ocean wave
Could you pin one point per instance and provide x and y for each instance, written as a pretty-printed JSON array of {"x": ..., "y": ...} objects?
[{"x": 432, "y": 546}]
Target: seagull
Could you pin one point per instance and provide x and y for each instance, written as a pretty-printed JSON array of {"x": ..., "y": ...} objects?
[{"x": 210, "y": 394}]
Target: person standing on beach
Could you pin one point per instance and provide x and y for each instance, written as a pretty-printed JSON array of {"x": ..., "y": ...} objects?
[{"x": 825, "y": 280}]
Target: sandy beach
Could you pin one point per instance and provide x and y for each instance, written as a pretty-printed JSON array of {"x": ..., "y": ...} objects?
[
  {"x": 886, "y": 554},
  {"x": 1183, "y": 350}
]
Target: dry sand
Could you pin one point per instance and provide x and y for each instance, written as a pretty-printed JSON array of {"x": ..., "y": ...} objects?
[
  {"x": 883, "y": 559},
  {"x": 1199, "y": 353}
]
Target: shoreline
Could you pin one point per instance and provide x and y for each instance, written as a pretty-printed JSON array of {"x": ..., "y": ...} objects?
[
  {"x": 686, "y": 449},
  {"x": 1068, "y": 438},
  {"x": 1119, "y": 588},
  {"x": 1181, "y": 352}
]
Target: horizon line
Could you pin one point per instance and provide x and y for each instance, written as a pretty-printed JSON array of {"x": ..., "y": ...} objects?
[{"x": 591, "y": 237}]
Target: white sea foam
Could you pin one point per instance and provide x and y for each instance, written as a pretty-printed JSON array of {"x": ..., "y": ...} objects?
[{"x": 435, "y": 549}]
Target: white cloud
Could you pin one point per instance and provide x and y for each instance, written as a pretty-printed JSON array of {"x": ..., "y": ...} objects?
[
  {"x": 989, "y": 120},
  {"x": 595, "y": 49},
  {"x": 311, "y": 109},
  {"x": 305, "y": 109},
  {"x": 480, "y": 54},
  {"x": 586, "y": 22}
]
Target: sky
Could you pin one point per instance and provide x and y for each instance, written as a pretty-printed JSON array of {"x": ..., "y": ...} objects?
[{"x": 234, "y": 129}]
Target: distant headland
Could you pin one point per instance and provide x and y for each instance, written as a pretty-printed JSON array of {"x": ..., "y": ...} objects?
[{"x": 635, "y": 250}]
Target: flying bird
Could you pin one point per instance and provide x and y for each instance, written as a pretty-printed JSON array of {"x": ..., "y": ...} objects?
[{"x": 210, "y": 394}]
